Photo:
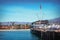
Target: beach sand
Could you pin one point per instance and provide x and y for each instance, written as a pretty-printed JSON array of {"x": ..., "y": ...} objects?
[{"x": 14, "y": 29}]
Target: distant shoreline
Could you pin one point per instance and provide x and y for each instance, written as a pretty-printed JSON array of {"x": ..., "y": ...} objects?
[{"x": 14, "y": 29}]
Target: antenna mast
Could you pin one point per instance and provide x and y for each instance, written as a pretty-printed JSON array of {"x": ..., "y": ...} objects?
[{"x": 41, "y": 17}]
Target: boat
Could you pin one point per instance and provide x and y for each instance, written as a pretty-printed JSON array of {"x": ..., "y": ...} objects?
[{"x": 45, "y": 31}]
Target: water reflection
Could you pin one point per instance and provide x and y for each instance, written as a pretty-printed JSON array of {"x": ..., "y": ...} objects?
[{"x": 17, "y": 35}]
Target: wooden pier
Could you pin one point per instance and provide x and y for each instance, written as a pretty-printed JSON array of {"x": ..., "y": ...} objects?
[{"x": 46, "y": 35}]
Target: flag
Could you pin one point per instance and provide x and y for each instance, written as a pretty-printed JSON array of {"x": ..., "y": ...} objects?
[{"x": 40, "y": 7}]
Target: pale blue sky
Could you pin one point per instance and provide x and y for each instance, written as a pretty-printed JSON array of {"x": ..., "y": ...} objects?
[{"x": 26, "y": 11}]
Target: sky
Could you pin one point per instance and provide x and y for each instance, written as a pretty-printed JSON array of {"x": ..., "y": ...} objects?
[{"x": 28, "y": 10}]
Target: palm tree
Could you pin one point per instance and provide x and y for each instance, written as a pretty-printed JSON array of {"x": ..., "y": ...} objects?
[{"x": 12, "y": 24}]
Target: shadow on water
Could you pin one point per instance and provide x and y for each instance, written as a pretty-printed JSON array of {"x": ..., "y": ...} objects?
[
  {"x": 47, "y": 36},
  {"x": 35, "y": 36}
]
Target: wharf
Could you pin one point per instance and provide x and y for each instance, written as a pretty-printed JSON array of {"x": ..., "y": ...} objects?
[{"x": 45, "y": 34}]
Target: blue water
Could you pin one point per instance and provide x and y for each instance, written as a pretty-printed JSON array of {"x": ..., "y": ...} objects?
[{"x": 17, "y": 35}]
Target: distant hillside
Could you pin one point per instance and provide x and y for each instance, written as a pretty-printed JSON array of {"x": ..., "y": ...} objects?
[
  {"x": 10, "y": 23},
  {"x": 56, "y": 20}
]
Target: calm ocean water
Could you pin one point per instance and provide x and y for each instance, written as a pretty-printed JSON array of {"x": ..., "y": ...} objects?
[{"x": 17, "y": 35}]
